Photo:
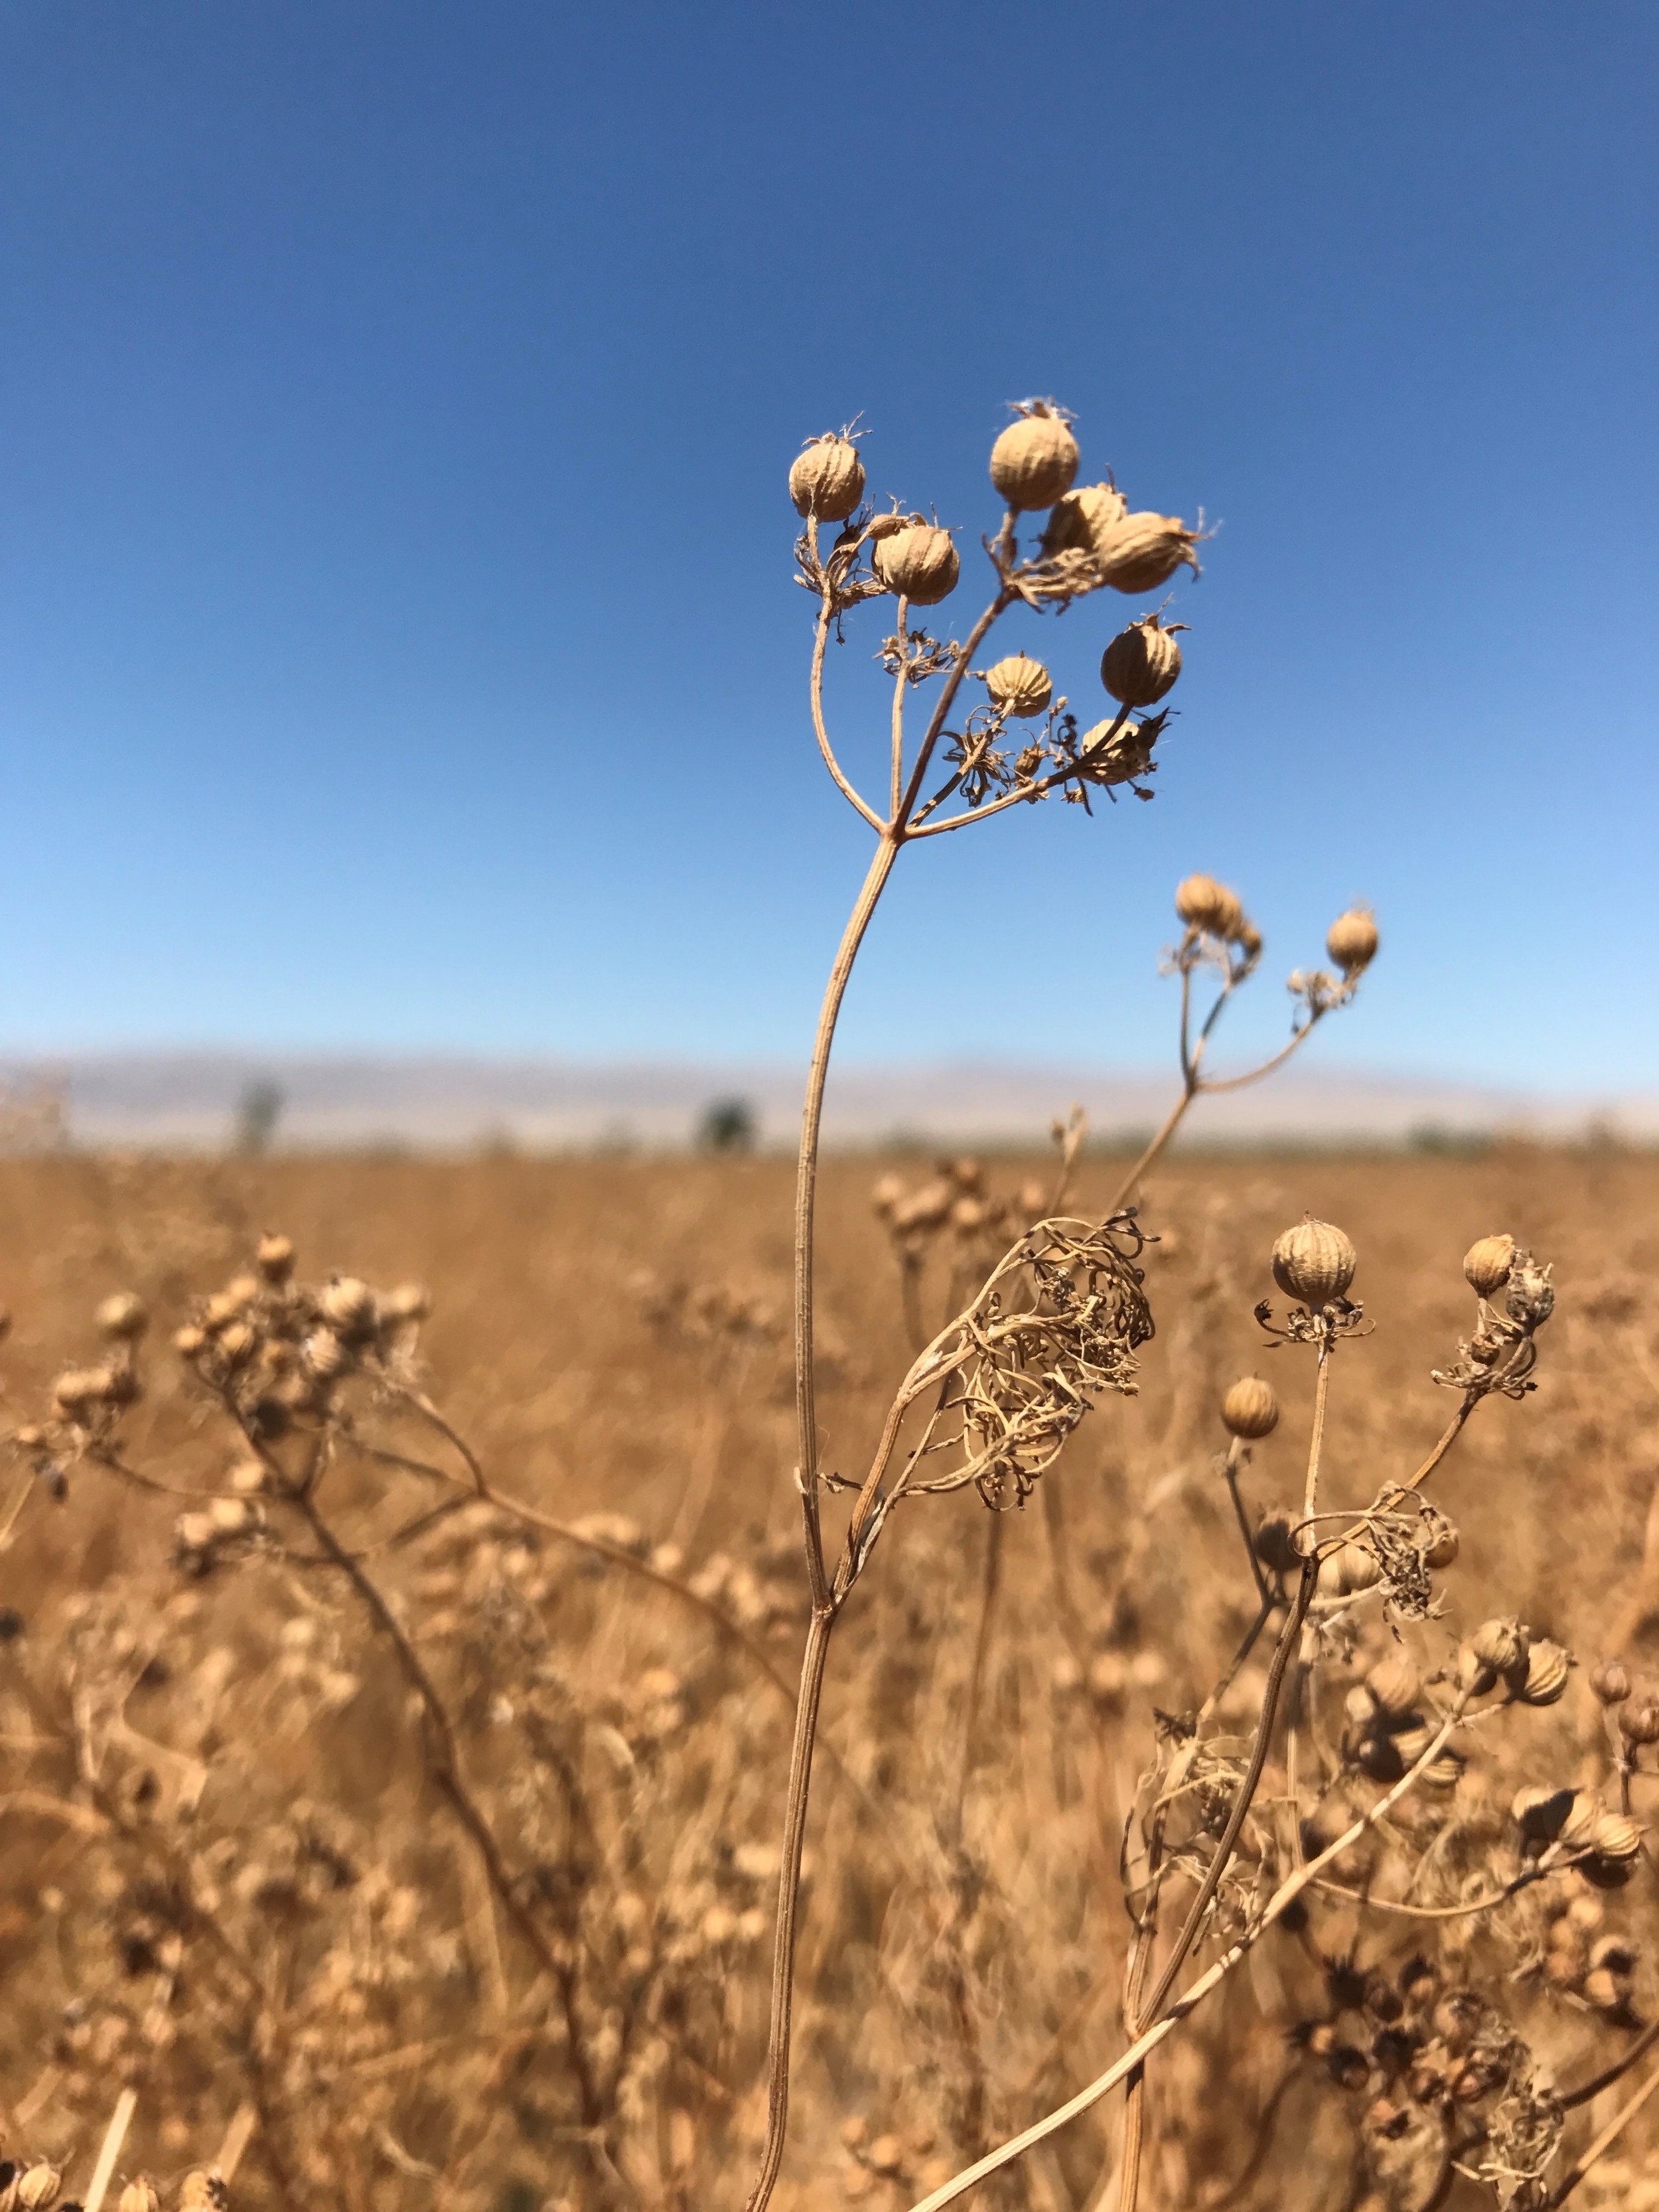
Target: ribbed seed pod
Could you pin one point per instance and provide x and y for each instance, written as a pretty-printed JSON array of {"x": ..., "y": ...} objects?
[
  {"x": 1614, "y": 1836},
  {"x": 139, "y": 2196},
  {"x": 1019, "y": 686},
  {"x": 1314, "y": 1262},
  {"x": 81, "y": 1386},
  {"x": 275, "y": 1256},
  {"x": 1084, "y": 519},
  {"x": 1501, "y": 1645},
  {"x": 38, "y": 2186},
  {"x": 1033, "y": 461},
  {"x": 1250, "y": 1409},
  {"x": 1349, "y": 1569},
  {"x": 1395, "y": 1685},
  {"x": 348, "y": 1305},
  {"x": 124, "y": 1317},
  {"x": 1142, "y": 552},
  {"x": 1638, "y": 1720},
  {"x": 917, "y": 562},
  {"x": 1487, "y": 1262},
  {"x": 1547, "y": 1668},
  {"x": 827, "y": 479},
  {"x": 1442, "y": 1547},
  {"x": 1582, "y": 1815},
  {"x": 1351, "y": 940},
  {"x": 1611, "y": 1682},
  {"x": 1203, "y": 904},
  {"x": 407, "y": 1302},
  {"x": 1539, "y": 1812},
  {"x": 1142, "y": 662},
  {"x": 203, "y": 2191}
]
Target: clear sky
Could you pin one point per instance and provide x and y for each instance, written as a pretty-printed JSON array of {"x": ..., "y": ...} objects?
[{"x": 397, "y": 643}]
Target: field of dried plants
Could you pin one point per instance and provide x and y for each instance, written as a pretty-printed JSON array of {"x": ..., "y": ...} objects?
[{"x": 395, "y": 1846}]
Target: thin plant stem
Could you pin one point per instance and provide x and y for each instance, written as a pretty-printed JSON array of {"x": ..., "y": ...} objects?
[
  {"x": 1603, "y": 2142},
  {"x": 900, "y": 682},
  {"x": 990, "y": 1582},
  {"x": 1282, "y": 1898},
  {"x": 783, "y": 1955},
  {"x": 110, "y": 2149}
]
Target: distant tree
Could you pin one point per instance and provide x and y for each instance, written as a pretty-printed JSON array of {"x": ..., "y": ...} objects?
[
  {"x": 257, "y": 1112},
  {"x": 728, "y": 1126}
]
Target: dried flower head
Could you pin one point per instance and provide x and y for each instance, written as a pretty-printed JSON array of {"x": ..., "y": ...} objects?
[
  {"x": 1034, "y": 460},
  {"x": 1204, "y": 904},
  {"x": 1314, "y": 1262},
  {"x": 916, "y": 562},
  {"x": 1142, "y": 662},
  {"x": 1141, "y": 552},
  {"x": 1487, "y": 1262},
  {"x": 827, "y": 479},
  {"x": 1250, "y": 1409},
  {"x": 1019, "y": 686},
  {"x": 1351, "y": 940}
]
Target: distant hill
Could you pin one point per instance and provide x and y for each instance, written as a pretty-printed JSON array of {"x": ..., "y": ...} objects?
[{"x": 194, "y": 1100}]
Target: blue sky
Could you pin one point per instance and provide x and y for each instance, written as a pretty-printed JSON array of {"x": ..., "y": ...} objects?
[{"x": 397, "y": 643}]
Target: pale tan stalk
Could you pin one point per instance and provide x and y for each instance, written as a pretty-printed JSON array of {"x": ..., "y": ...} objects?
[
  {"x": 110, "y": 2149},
  {"x": 1603, "y": 2142}
]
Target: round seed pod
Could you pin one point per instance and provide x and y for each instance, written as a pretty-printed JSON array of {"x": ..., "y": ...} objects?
[
  {"x": 1351, "y": 940},
  {"x": 1314, "y": 1262},
  {"x": 886, "y": 1195},
  {"x": 1487, "y": 1262},
  {"x": 1394, "y": 1684},
  {"x": 1360, "y": 1708},
  {"x": 887, "y": 2155},
  {"x": 1501, "y": 1645},
  {"x": 348, "y": 1305},
  {"x": 38, "y": 2186},
  {"x": 124, "y": 1317},
  {"x": 1019, "y": 686},
  {"x": 1034, "y": 460},
  {"x": 1349, "y": 1569},
  {"x": 1615, "y": 1837},
  {"x": 917, "y": 562},
  {"x": 1444, "y": 1770},
  {"x": 203, "y": 2191},
  {"x": 968, "y": 1215},
  {"x": 1250, "y": 1409},
  {"x": 188, "y": 1341},
  {"x": 1141, "y": 552},
  {"x": 326, "y": 1356},
  {"x": 1443, "y": 1547},
  {"x": 827, "y": 479},
  {"x": 81, "y": 1386},
  {"x": 1603, "y": 1989},
  {"x": 927, "y": 1208},
  {"x": 407, "y": 1302},
  {"x": 1247, "y": 938},
  {"x": 275, "y": 1256},
  {"x": 1274, "y": 1544},
  {"x": 1539, "y": 1811},
  {"x": 1580, "y": 1821},
  {"x": 1612, "y": 1954},
  {"x": 1142, "y": 662},
  {"x": 1638, "y": 1720},
  {"x": 139, "y": 2197},
  {"x": 1203, "y": 904},
  {"x": 1084, "y": 519},
  {"x": 1547, "y": 1668},
  {"x": 1611, "y": 1682}
]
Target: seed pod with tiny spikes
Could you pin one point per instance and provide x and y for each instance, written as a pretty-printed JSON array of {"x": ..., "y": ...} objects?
[
  {"x": 917, "y": 562},
  {"x": 1638, "y": 1720},
  {"x": 1547, "y": 1668},
  {"x": 1487, "y": 1262},
  {"x": 1314, "y": 1262},
  {"x": 1611, "y": 1682},
  {"x": 1019, "y": 686},
  {"x": 1203, "y": 904},
  {"x": 1141, "y": 663},
  {"x": 124, "y": 1317},
  {"x": 1250, "y": 1409},
  {"x": 1033, "y": 461},
  {"x": 1084, "y": 519},
  {"x": 139, "y": 2197},
  {"x": 1352, "y": 941},
  {"x": 1395, "y": 1685},
  {"x": 1143, "y": 551},
  {"x": 827, "y": 479},
  {"x": 1501, "y": 1645}
]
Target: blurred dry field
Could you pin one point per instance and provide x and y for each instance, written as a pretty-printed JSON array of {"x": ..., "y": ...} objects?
[{"x": 231, "y": 1878}]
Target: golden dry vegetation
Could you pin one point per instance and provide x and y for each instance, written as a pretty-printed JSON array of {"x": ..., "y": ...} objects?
[{"x": 236, "y": 1878}]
